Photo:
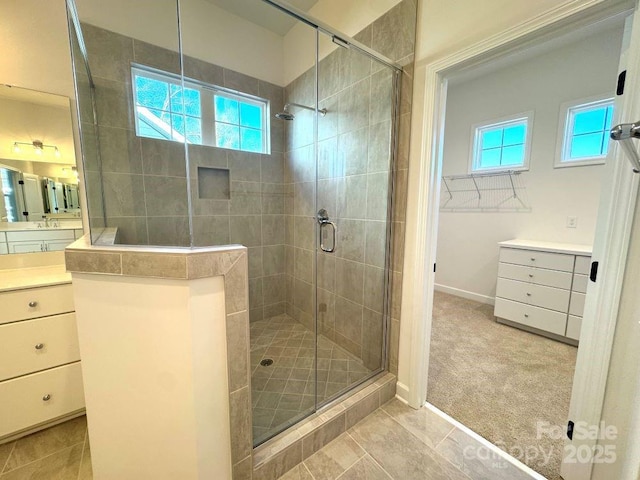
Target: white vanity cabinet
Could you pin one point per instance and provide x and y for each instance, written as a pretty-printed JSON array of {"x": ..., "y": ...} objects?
[
  {"x": 40, "y": 372},
  {"x": 542, "y": 286},
  {"x": 28, "y": 241}
]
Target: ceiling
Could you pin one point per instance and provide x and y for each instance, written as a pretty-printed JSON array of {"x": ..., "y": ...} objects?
[{"x": 264, "y": 15}]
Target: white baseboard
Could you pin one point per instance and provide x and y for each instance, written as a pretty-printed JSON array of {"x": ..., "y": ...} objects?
[
  {"x": 402, "y": 393},
  {"x": 465, "y": 294}
]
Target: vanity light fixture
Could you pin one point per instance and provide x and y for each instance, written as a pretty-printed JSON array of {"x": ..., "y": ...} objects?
[{"x": 38, "y": 147}]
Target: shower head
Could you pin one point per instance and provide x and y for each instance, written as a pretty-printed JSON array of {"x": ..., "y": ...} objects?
[{"x": 285, "y": 114}]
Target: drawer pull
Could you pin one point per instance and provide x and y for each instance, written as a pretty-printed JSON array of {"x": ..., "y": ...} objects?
[
  {"x": 526, "y": 315},
  {"x": 39, "y": 346},
  {"x": 33, "y": 304},
  {"x": 531, "y": 275},
  {"x": 528, "y": 294},
  {"x": 533, "y": 259},
  {"x": 46, "y": 398}
]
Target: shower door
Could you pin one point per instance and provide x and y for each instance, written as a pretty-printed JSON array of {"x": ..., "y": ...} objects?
[{"x": 352, "y": 215}]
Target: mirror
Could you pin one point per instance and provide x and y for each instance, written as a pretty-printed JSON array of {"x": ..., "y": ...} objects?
[{"x": 39, "y": 205}]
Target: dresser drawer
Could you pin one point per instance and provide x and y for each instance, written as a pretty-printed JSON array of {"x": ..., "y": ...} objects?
[
  {"x": 534, "y": 258},
  {"x": 34, "y": 345},
  {"x": 23, "y": 399},
  {"x": 538, "y": 295},
  {"x": 16, "y": 305},
  {"x": 539, "y": 276},
  {"x": 580, "y": 283},
  {"x": 583, "y": 265},
  {"x": 574, "y": 324},
  {"x": 536, "y": 317},
  {"x": 576, "y": 307}
]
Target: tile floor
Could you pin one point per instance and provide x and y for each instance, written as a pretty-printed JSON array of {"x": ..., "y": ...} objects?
[
  {"x": 57, "y": 453},
  {"x": 284, "y": 392},
  {"x": 395, "y": 442},
  {"x": 399, "y": 443}
]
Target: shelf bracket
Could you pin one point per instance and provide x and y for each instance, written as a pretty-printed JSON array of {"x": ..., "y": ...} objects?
[
  {"x": 476, "y": 185},
  {"x": 513, "y": 187},
  {"x": 444, "y": 180}
]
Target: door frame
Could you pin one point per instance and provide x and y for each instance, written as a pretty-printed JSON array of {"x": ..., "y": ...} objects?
[{"x": 613, "y": 230}]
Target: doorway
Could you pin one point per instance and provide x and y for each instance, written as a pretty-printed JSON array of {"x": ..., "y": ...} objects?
[{"x": 610, "y": 246}]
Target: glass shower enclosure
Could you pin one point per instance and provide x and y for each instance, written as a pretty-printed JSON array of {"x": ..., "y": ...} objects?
[{"x": 219, "y": 123}]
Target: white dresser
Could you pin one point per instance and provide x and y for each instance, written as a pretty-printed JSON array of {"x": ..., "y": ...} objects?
[
  {"x": 541, "y": 287},
  {"x": 40, "y": 373}
]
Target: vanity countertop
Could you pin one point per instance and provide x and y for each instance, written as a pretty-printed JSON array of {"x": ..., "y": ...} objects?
[
  {"x": 17, "y": 279},
  {"x": 553, "y": 247}
]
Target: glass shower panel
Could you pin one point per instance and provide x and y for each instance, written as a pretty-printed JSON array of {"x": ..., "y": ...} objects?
[
  {"x": 353, "y": 215},
  {"x": 252, "y": 176},
  {"x": 140, "y": 180}
]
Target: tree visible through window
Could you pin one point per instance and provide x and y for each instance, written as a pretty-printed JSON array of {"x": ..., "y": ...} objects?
[
  {"x": 239, "y": 123},
  {"x": 501, "y": 146},
  {"x": 199, "y": 114}
]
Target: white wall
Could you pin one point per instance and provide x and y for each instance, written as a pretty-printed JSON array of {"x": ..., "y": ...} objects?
[
  {"x": 346, "y": 16},
  {"x": 35, "y": 44},
  {"x": 151, "y": 403},
  {"x": 467, "y": 254},
  {"x": 209, "y": 32}
]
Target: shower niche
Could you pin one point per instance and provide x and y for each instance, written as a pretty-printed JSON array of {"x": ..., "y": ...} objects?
[{"x": 217, "y": 124}]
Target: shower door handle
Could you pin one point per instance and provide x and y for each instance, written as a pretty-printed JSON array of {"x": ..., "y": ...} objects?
[{"x": 323, "y": 219}]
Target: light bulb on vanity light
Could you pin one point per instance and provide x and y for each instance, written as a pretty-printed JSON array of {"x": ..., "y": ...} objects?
[
  {"x": 57, "y": 153},
  {"x": 16, "y": 147}
]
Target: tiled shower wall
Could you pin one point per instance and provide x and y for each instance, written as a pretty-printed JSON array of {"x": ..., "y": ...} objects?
[
  {"x": 353, "y": 162},
  {"x": 145, "y": 183}
]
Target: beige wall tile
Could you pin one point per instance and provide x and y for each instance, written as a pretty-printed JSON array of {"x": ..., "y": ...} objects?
[
  {"x": 150, "y": 265},
  {"x": 93, "y": 262},
  {"x": 240, "y": 418}
]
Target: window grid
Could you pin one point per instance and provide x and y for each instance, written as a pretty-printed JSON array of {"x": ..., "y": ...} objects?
[
  {"x": 174, "y": 112},
  {"x": 492, "y": 157},
  {"x": 573, "y": 150}
]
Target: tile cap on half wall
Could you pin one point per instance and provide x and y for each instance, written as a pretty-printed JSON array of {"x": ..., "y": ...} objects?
[{"x": 156, "y": 262}]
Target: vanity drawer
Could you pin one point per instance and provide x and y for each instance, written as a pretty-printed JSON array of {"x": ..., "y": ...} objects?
[
  {"x": 534, "y": 258},
  {"x": 536, "y": 317},
  {"x": 574, "y": 324},
  {"x": 45, "y": 300},
  {"x": 539, "y": 276},
  {"x": 31, "y": 235},
  {"x": 531, "y": 294},
  {"x": 576, "y": 306},
  {"x": 23, "y": 399},
  {"x": 56, "y": 337},
  {"x": 580, "y": 283},
  {"x": 583, "y": 265}
]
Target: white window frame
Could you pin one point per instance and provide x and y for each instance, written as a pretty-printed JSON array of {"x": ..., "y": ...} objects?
[
  {"x": 565, "y": 127},
  {"x": 263, "y": 104},
  {"x": 476, "y": 136},
  {"x": 207, "y": 105}
]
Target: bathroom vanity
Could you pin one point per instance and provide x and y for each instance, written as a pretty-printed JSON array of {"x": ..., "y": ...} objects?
[
  {"x": 45, "y": 236},
  {"x": 40, "y": 372},
  {"x": 542, "y": 286}
]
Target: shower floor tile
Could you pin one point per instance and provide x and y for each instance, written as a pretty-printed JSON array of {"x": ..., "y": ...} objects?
[{"x": 284, "y": 391}]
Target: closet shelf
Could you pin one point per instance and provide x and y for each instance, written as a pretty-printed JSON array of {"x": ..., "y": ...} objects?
[{"x": 486, "y": 191}]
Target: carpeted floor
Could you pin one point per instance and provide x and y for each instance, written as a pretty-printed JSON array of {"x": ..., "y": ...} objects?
[{"x": 500, "y": 381}]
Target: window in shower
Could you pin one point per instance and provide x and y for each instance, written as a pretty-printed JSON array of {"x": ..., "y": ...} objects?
[
  {"x": 240, "y": 122},
  {"x": 198, "y": 113},
  {"x": 164, "y": 109}
]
